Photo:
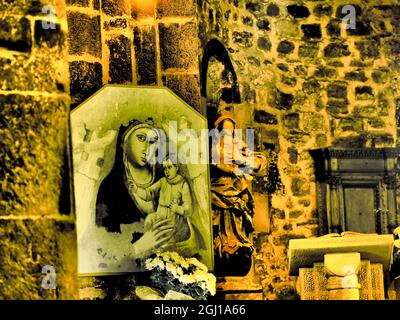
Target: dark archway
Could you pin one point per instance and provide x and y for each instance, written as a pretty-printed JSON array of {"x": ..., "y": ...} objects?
[{"x": 218, "y": 78}]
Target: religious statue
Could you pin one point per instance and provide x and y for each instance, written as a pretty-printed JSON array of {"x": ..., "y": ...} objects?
[{"x": 232, "y": 168}]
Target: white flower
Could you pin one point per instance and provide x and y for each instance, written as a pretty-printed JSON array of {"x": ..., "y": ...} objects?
[{"x": 177, "y": 265}]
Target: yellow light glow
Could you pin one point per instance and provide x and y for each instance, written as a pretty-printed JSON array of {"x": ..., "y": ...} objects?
[{"x": 144, "y": 6}]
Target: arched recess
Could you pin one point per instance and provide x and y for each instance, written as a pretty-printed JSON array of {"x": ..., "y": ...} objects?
[{"x": 218, "y": 78}]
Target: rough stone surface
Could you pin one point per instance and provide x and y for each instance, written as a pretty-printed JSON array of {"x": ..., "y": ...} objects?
[
  {"x": 145, "y": 51},
  {"x": 29, "y": 245},
  {"x": 33, "y": 142},
  {"x": 285, "y": 47},
  {"x": 186, "y": 87},
  {"x": 262, "y": 116},
  {"x": 82, "y": 26},
  {"x": 15, "y": 34},
  {"x": 120, "y": 67},
  {"x": 86, "y": 79},
  {"x": 176, "y": 46}
]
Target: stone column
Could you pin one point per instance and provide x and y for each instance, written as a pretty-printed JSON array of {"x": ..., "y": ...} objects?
[
  {"x": 334, "y": 196},
  {"x": 342, "y": 270}
]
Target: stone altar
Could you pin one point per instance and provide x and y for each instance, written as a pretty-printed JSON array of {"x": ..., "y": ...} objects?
[{"x": 341, "y": 267}]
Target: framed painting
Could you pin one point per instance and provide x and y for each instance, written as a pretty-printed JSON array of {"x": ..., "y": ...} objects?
[{"x": 141, "y": 179}]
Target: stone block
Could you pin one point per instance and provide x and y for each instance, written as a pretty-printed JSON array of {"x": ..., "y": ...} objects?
[
  {"x": 295, "y": 214},
  {"x": 27, "y": 246},
  {"x": 300, "y": 70},
  {"x": 273, "y": 10},
  {"x": 176, "y": 8},
  {"x": 291, "y": 121},
  {"x": 358, "y": 141},
  {"x": 34, "y": 139},
  {"x": 383, "y": 139},
  {"x": 120, "y": 65},
  {"x": 376, "y": 123},
  {"x": 364, "y": 93},
  {"x": 293, "y": 155},
  {"x": 144, "y": 41},
  {"x": 368, "y": 49},
  {"x": 300, "y": 187},
  {"x": 263, "y": 24},
  {"x": 283, "y": 67},
  {"x": 358, "y": 75},
  {"x": 289, "y": 81},
  {"x": 321, "y": 140},
  {"x": 50, "y": 37},
  {"x": 333, "y": 28},
  {"x": 325, "y": 72},
  {"x": 298, "y": 11},
  {"x": 337, "y": 106},
  {"x": 254, "y": 61},
  {"x": 178, "y": 46},
  {"x": 312, "y": 121},
  {"x": 15, "y": 34},
  {"x": 282, "y": 100},
  {"x": 248, "y": 93},
  {"x": 264, "y": 117},
  {"x": 381, "y": 75},
  {"x": 263, "y": 43},
  {"x": 253, "y": 7},
  {"x": 337, "y": 90},
  {"x": 351, "y": 124},
  {"x": 96, "y": 4},
  {"x": 243, "y": 39},
  {"x": 336, "y": 50},
  {"x": 363, "y": 28},
  {"x": 311, "y": 31},
  {"x": 185, "y": 86},
  {"x": 285, "y": 47},
  {"x": 115, "y": 7},
  {"x": 323, "y": 9},
  {"x": 86, "y": 79},
  {"x": 84, "y": 34},
  {"x": 277, "y": 214},
  {"x": 38, "y": 73},
  {"x": 248, "y": 21},
  {"x": 309, "y": 50},
  {"x": 311, "y": 86}
]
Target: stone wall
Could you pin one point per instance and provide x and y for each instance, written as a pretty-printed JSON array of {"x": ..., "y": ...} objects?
[
  {"x": 37, "y": 226},
  {"x": 307, "y": 83},
  {"x": 118, "y": 42}
]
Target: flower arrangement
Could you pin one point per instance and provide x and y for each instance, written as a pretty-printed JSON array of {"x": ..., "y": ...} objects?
[{"x": 169, "y": 271}]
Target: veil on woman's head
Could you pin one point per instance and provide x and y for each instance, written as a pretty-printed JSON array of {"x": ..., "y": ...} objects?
[{"x": 125, "y": 131}]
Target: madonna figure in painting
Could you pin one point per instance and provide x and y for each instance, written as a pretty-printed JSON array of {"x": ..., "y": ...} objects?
[{"x": 122, "y": 208}]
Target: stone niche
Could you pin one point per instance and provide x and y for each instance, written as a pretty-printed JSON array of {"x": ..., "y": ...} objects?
[{"x": 356, "y": 190}]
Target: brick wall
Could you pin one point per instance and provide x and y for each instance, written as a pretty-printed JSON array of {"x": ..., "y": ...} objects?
[
  {"x": 114, "y": 41},
  {"x": 307, "y": 83},
  {"x": 37, "y": 227}
]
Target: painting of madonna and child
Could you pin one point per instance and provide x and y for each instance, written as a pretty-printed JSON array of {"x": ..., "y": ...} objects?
[{"x": 141, "y": 179}]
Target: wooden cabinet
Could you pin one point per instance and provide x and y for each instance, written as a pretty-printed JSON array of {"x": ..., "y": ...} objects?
[{"x": 357, "y": 189}]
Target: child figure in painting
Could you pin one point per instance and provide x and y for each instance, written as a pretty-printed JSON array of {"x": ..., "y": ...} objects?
[{"x": 174, "y": 202}]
